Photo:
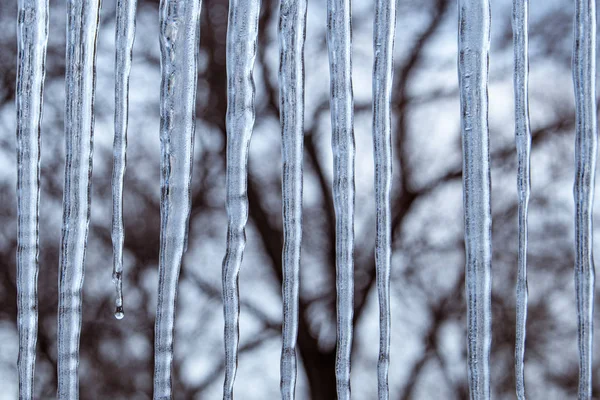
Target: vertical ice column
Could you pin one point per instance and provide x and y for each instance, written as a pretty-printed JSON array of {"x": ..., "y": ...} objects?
[
  {"x": 124, "y": 37},
  {"x": 520, "y": 17},
  {"x": 586, "y": 143},
  {"x": 383, "y": 49},
  {"x": 242, "y": 34},
  {"x": 339, "y": 42},
  {"x": 80, "y": 80},
  {"x": 292, "y": 32},
  {"x": 32, "y": 42},
  {"x": 473, "y": 58},
  {"x": 179, "y": 40}
]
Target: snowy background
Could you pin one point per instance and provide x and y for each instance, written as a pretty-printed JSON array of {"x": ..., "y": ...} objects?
[{"x": 428, "y": 321}]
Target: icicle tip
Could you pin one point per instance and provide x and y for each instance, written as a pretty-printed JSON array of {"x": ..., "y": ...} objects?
[{"x": 119, "y": 312}]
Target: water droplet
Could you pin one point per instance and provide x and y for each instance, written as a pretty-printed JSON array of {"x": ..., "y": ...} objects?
[{"x": 119, "y": 312}]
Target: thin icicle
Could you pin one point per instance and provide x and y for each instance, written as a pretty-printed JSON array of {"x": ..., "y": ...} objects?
[
  {"x": 80, "y": 80},
  {"x": 584, "y": 80},
  {"x": 474, "y": 45},
  {"x": 32, "y": 42},
  {"x": 339, "y": 42},
  {"x": 292, "y": 32},
  {"x": 523, "y": 141},
  {"x": 242, "y": 33},
  {"x": 179, "y": 40},
  {"x": 124, "y": 37},
  {"x": 383, "y": 48}
]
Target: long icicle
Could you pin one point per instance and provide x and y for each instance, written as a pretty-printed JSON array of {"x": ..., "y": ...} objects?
[
  {"x": 124, "y": 37},
  {"x": 584, "y": 81},
  {"x": 242, "y": 34},
  {"x": 473, "y": 46},
  {"x": 179, "y": 40},
  {"x": 383, "y": 48},
  {"x": 292, "y": 32},
  {"x": 339, "y": 42},
  {"x": 80, "y": 81},
  {"x": 32, "y": 42},
  {"x": 520, "y": 18}
]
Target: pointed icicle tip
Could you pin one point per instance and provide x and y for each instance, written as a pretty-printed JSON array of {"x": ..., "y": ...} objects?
[{"x": 119, "y": 312}]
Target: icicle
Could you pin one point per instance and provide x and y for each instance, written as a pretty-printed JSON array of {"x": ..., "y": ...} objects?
[
  {"x": 584, "y": 79},
  {"x": 383, "y": 49},
  {"x": 82, "y": 32},
  {"x": 473, "y": 45},
  {"x": 242, "y": 33},
  {"x": 292, "y": 31},
  {"x": 179, "y": 40},
  {"x": 523, "y": 142},
  {"x": 124, "y": 37},
  {"x": 32, "y": 43},
  {"x": 339, "y": 41}
]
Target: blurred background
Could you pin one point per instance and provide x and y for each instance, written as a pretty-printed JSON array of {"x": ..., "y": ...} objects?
[{"x": 428, "y": 320}]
